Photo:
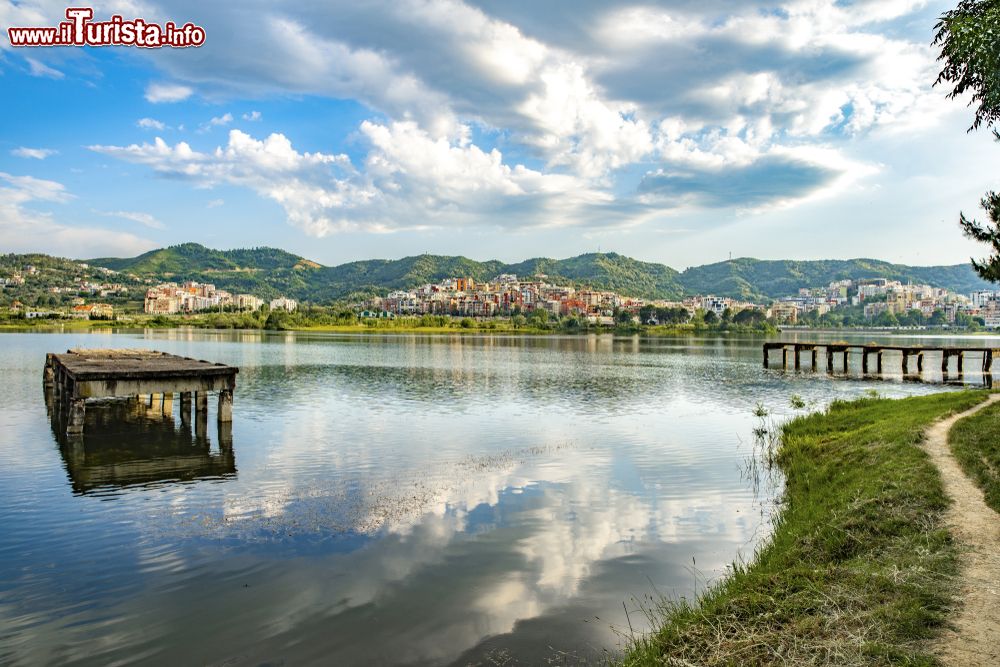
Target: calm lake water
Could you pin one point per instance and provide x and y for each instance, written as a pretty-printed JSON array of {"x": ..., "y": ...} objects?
[{"x": 397, "y": 500}]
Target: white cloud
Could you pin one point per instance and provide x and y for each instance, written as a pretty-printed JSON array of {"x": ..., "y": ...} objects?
[
  {"x": 38, "y": 68},
  {"x": 215, "y": 203},
  {"x": 24, "y": 229},
  {"x": 252, "y": 116},
  {"x": 150, "y": 124},
  {"x": 158, "y": 93},
  {"x": 144, "y": 219},
  {"x": 410, "y": 180},
  {"x": 219, "y": 121},
  {"x": 33, "y": 153}
]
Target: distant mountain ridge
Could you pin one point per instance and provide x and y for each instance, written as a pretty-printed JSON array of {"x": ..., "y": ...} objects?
[{"x": 271, "y": 271}]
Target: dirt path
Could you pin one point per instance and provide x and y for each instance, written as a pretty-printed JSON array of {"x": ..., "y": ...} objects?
[{"x": 976, "y": 529}]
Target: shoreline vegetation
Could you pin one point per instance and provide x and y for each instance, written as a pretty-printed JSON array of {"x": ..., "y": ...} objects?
[
  {"x": 326, "y": 320},
  {"x": 860, "y": 568}
]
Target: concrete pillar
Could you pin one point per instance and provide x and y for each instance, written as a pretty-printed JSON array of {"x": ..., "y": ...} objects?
[
  {"x": 77, "y": 412},
  {"x": 878, "y": 361},
  {"x": 168, "y": 404},
  {"x": 906, "y": 362},
  {"x": 225, "y": 405},
  {"x": 49, "y": 373},
  {"x": 784, "y": 357},
  {"x": 961, "y": 358},
  {"x": 766, "y": 355},
  {"x": 797, "y": 352},
  {"x": 201, "y": 402},
  {"x": 226, "y": 436},
  {"x": 845, "y": 360},
  {"x": 829, "y": 360},
  {"x": 201, "y": 427},
  {"x": 864, "y": 361},
  {"x": 944, "y": 361},
  {"x": 920, "y": 362},
  {"x": 987, "y": 361},
  {"x": 814, "y": 358},
  {"x": 185, "y": 408}
]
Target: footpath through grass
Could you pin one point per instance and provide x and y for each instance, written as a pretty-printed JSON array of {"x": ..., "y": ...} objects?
[
  {"x": 860, "y": 569},
  {"x": 975, "y": 442}
]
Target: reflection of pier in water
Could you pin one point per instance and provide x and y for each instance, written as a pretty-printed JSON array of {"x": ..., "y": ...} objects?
[
  {"x": 868, "y": 351},
  {"x": 139, "y": 442}
]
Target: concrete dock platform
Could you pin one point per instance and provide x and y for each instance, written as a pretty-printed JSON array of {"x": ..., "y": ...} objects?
[{"x": 80, "y": 374}]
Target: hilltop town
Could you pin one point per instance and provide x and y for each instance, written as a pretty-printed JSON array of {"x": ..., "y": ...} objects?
[{"x": 62, "y": 289}]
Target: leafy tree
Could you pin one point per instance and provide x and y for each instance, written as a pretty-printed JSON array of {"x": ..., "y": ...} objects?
[
  {"x": 989, "y": 267},
  {"x": 969, "y": 37},
  {"x": 711, "y": 317},
  {"x": 750, "y": 317},
  {"x": 885, "y": 319},
  {"x": 970, "y": 49}
]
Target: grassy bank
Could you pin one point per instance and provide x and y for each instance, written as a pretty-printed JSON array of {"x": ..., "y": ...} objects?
[
  {"x": 859, "y": 570},
  {"x": 975, "y": 442}
]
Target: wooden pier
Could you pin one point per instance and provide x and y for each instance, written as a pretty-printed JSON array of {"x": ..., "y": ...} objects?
[
  {"x": 81, "y": 374},
  {"x": 842, "y": 351}
]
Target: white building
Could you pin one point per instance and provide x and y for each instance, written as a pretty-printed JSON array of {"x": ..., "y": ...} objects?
[{"x": 281, "y": 303}]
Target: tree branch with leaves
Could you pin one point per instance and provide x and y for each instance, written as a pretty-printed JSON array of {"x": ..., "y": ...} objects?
[{"x": 969, "y": 37}]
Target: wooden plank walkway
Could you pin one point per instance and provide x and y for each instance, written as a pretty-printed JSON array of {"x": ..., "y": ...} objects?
[
  {"x": 983, "y": 354},
  {"x": 80, "y": 374}
]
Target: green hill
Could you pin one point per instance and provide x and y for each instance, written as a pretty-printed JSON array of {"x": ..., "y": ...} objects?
[
  {"x": 269, "y": 272},
  {"x": 760, "y": 279},
  {"x": 187, "y": 257}
]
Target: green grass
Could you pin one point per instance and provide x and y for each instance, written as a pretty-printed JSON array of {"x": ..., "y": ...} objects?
[
  {"x": 975, "y": 442},
  {"x": 860, "y": 569}
]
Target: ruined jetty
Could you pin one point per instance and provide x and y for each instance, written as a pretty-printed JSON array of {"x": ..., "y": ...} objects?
[
  {"x": 83, "y": 374},
  {"x": 877, "y": 352}
]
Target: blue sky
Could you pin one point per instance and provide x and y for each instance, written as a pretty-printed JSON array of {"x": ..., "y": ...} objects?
[{"x": 677, "y": 132}]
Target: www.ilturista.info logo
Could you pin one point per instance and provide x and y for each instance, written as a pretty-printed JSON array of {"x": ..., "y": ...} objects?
[{"x": 80, "y": 30}]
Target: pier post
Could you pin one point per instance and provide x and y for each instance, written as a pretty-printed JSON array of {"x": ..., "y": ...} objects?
[
  {"x": 766, "y": 355},
  {"x": 987, "y": 361},
  {"x": 77, "y": 413},
  {"x": 864, "y": 361},
  {"x": 784, "y": 357},
  {"x": 225, "y": 405},
  {"x": 878, "y": 358},
  {"x": 797, "y": 352},
  {"x": 920, "y": 362},
  {"x": 829, "y": 360},
  {"x": 226, "y": 436},
  {"x": 845, "y": 360},
  {"x": 814, "y": 358},
  {"x": 201, "y": 402},
  {"x": 49, "y": 373},
  {"x": 201, "y": 426},
  {"x": 944, "y": 361},
  {"x": 168, "y": 404},
  {"x": 960, "y": 360},
  {"x": 906, "y": 362}
]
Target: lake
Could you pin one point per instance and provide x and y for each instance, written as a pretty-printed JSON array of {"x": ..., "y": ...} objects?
[{"x": 394, "y": 500}]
